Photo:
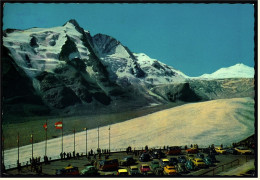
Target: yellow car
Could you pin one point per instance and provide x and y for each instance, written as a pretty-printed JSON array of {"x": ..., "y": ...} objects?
[
  {"x": 220, "y": 150},
  {"x": 243, "y": 150},
  {"x": 164, "y": 162},
  {"x": 122, "y": 172},
  {"x": 199, "y": 162},
  {"x": 169, "y": 170}
]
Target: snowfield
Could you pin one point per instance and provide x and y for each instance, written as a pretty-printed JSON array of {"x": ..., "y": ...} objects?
[
  {"x": 237, "y": 71},
  {"x": 217, "y": 122}
]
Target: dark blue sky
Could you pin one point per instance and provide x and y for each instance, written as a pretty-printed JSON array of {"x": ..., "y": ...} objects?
[{"x": 193, "y": 38}]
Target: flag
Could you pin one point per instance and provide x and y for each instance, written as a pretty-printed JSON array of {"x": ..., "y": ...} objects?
[
  {"x": 58, "y": 125},
  {"x": 31, "y": 140},
  {"x": 45, "y": 126}
]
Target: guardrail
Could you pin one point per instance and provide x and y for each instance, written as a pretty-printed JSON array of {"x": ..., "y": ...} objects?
[{"x": 221, "y": 168}]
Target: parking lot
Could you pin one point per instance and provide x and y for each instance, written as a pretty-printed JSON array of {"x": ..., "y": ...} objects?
[{"x": 223, "y": 162}]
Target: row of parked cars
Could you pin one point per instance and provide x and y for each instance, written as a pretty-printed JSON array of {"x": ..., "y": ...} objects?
[
  {"x": 160, "y": 164},
  {"x": 237, "y": 150}
]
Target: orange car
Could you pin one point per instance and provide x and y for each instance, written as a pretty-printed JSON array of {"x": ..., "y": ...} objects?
[
  {"x": 192, "y": 151},
  {"x": 174, "y": 150}
]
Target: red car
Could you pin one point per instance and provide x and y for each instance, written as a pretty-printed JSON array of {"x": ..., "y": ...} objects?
[
  {"x": 192, "y": 151},
  {"x": 174, "y": 150},
  {"x": 145, "y": 168},
  {"x": 109, "y": 164}
]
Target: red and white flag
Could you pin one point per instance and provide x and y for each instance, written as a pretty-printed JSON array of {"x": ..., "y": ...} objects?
[
  {"x": 58, "y": 125},
  {"x": 45, "y": 126}
]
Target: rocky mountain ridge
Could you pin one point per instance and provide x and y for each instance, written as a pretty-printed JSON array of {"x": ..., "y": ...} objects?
[{"x": 65, "y": 67}]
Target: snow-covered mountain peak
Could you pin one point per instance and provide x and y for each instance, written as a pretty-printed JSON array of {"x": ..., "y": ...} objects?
[
  {"x": 109, "y": 46},
  {"x": 158, "y": 72},
  {"x": 73, "y": 22},
  {"x": 38, "y": 49},
  {"x": 239, "y": 65},
  {"x": 236, "y": 71}
]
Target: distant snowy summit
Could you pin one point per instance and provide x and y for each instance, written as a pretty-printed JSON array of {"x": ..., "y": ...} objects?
[{"x": 237, "y": 71}]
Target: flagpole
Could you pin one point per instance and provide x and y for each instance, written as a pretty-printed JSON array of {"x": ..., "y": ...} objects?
[
  {"x": 3, "y": 152},
  {"x": 74, "y": 140},
  {"x": 46, "y": 138},
  {"x": 32, "y": 144},
  {"x": 98, "y": 136},
  {"x": 18, "y": 148},
  {"x": 109, "y": 140},
  {"x": 62, "y": 137},
  {"x": 86, "y": 142}
]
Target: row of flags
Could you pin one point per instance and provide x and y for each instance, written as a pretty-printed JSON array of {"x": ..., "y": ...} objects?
[{"x": 58, "y": 125}]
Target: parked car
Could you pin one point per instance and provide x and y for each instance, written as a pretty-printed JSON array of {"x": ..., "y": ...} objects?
[
  {"x": 173, "y": 150},
  {"x": 231, "y": 151},
  {"x": 200, "y": 155},
  {"x": 208, "y": 161},
  {"x": 192, "y": 151},
  {"x": 169, "y": 170},
  {"x": 90, "y": 171},
  {"x": 127, "y": 161},
  {"x": 190, "y": 157},
  {"x": 122, "y": 172},
  {"x": 164, "y": 162},
  {"x": 157, "y": 154},
  {"x": 243, "y": 150},
  {"x": 190, "y": 165},
  {"x": 144, "y": 157},
  {"x": 180, "y": 167},
  {"x": 108, "y": 164},
  {"x": 154, "y": 165},
  {"x": 69, "y": 170},
  {"x": 198, "y": 162},
  {"x": 145, "y": 168},
  {"x": 173, "y": 161},
  {"x": 134, "y": 171},
  {"x": 220, "y": 150},
  {"x": 182, "y": 159}
]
